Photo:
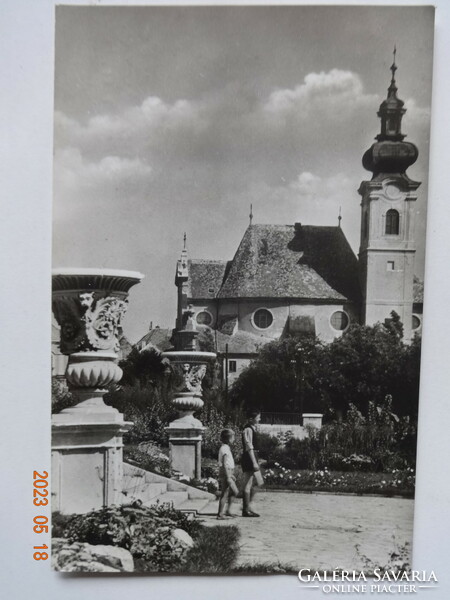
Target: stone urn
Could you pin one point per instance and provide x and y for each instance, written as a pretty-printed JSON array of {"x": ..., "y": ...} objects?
[
  {"x": 189, "y": 368},
  {"x": 89, "y": 305},
  {"x": 186, "y": 432}
]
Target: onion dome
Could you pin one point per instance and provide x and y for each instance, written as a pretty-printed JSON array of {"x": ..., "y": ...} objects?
[{"x": 390, "y": 154}]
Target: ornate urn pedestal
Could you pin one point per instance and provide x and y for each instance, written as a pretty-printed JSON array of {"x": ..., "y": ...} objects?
[
  {"x": 186, "y": 432},
  {"x": 88, "y": 305}
]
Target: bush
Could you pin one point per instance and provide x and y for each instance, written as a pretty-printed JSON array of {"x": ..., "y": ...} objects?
[
  {"x": 267, "y": 444},
  {"x": 144, "y": 531},
  {"x": 61, "y": 397},
  {"x": 380, "y": 441},
  {"x": 388, "y": 484},
  {"x": 149, "y": 457},
  {"x": 147, "y": 407}
]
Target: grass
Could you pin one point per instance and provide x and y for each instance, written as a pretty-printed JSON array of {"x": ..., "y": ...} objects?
[
  {"x": 265, "y": 569},
  {"x": 215, "y": 551}
]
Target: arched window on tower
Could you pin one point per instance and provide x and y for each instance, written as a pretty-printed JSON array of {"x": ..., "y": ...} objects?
[{"x": 392, "y": 222}]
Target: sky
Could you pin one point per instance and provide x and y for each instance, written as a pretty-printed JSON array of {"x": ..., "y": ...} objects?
[{"x": 176, "y": 119}]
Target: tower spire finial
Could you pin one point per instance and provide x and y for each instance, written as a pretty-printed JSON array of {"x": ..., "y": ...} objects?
[
  {"x": 184, "y": 241},
  {"x": 339, "y": 218},
  {"x": 251, "y": 214},
  {"x": 393, "y": 70}
]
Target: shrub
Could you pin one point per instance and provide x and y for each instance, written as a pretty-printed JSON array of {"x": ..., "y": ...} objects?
[
  {"x": 267, "y": 444},
  {"x": 380, "y": 441},
  {"x": 61, "y": 397},
  {"x": 147, "y": 407},
  {"x": 208, "y": 484},
  {"x": 149, "y": 457},
  {"x": 389, "y": 484},
  {"x": 144, "y": 531}
]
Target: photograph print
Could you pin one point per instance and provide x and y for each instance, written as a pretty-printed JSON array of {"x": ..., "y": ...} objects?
[{"x": 239, "y": 218}]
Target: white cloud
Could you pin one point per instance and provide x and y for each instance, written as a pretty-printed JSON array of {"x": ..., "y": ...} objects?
[
  {"x": 131, "y": 130},
  {"x": 335, "y": 90},
  {"x": 71, "y": 169}
]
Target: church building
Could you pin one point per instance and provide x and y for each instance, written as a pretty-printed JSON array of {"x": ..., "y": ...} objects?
[{"x": 305, "y": 279}]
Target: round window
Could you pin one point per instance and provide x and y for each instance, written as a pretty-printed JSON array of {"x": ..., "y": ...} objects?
[
  {"x": 339, "y": 320},
  {"x": 415, "y": 322},
  {"x": 262, "y": 318},
  {"x": 204, "y": 318}
]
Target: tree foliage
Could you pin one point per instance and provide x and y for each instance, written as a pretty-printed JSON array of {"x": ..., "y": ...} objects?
[{"x": 364, "y": 365}]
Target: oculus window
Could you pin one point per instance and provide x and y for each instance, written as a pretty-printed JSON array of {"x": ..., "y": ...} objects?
[
  {"x": 204, "y": 318},
  {"x": 339, "y": 320},
  {"x": 262, "y": 318}
]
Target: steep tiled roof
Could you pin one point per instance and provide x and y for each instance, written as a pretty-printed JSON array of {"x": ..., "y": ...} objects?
[
  {"x": 205, "y": 277},
  {"x": 286, "y": 261},
  {"x": 417, "y": 291},
  {"x": 156, "y": 338}
]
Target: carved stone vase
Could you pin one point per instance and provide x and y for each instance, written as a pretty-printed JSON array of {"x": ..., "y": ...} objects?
[
  {"x": 89, "y": 305},
  {"x": 185, "y": 432}
]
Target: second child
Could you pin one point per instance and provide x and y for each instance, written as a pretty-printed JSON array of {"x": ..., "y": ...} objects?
[{"x": 227, "y": 481}]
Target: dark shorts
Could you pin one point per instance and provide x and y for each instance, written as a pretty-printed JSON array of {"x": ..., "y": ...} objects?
[{"x": 247, "y": 463}]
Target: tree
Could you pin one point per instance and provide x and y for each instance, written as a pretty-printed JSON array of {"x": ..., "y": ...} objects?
[
  {"x": 143, "y": 396},
  {"x": 364, "y": 365},
  {"x": 144, "y": 367},
  {"x": 282, "y": 378}
]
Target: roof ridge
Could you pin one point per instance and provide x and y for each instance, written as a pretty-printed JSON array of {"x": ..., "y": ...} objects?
[{"x": 207, "y": 260}]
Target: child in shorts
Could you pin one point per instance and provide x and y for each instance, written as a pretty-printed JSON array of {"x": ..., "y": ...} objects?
[{"x": 227, "y": 481}]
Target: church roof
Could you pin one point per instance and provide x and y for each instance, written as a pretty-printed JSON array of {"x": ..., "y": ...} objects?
[
  {"x": 205, "y": 277},
  {"x": 156, "y": 338},
  {"x": 292, "y": 261}
]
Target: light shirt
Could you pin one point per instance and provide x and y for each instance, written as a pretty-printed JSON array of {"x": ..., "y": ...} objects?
[
  {"x": 226, "y": 459},
  {"x": 247, "y": 439}
]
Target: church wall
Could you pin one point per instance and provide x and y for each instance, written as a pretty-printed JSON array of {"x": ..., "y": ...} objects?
[
  {"x": 207, "y": 305},
  {"x": 282, "y": 310},
  {"x": 389, "y": 289},
  {"x": 241, "y": 363}
]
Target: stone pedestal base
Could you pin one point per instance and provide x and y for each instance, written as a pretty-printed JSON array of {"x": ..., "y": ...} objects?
[
  {"x": 87, "y": 457},
  {"x": 314, "y": 419},
  {"x": 185, "y": 446}
]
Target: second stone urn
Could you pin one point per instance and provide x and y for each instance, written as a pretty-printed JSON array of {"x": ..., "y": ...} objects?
[
  {"x": 189, "y": 368},
  {"x": 188, "y": 365}
]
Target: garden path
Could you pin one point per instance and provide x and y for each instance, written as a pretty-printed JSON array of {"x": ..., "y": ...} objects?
[{"x": 319, "y": 531}]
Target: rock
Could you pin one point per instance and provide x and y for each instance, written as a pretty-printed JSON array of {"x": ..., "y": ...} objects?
[
  {"x": 83, "y": 557},
  {"x": 182, "y": 537},
  {"x": 122, "y": 555}
]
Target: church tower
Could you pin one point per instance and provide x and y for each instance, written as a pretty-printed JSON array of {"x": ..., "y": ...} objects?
[{"x": 387, "y": 249}]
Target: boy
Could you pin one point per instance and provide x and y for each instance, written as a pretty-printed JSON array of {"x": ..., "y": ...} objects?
[{"x": 227, "y": 480}]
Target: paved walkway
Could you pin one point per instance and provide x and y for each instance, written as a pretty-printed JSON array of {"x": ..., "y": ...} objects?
[{"x": 320, "y": 531}]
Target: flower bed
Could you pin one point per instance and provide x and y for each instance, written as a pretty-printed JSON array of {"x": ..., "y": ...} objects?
[
  {"x": 159, "y": 538},
  {"x": 396, "y": 482}
]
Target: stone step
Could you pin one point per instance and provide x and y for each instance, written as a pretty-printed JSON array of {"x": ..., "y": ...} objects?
[
  {"x": 194, "y": 505},
  {"x": 143, "y": 491},
  {"x": 174, "y": 498}
]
